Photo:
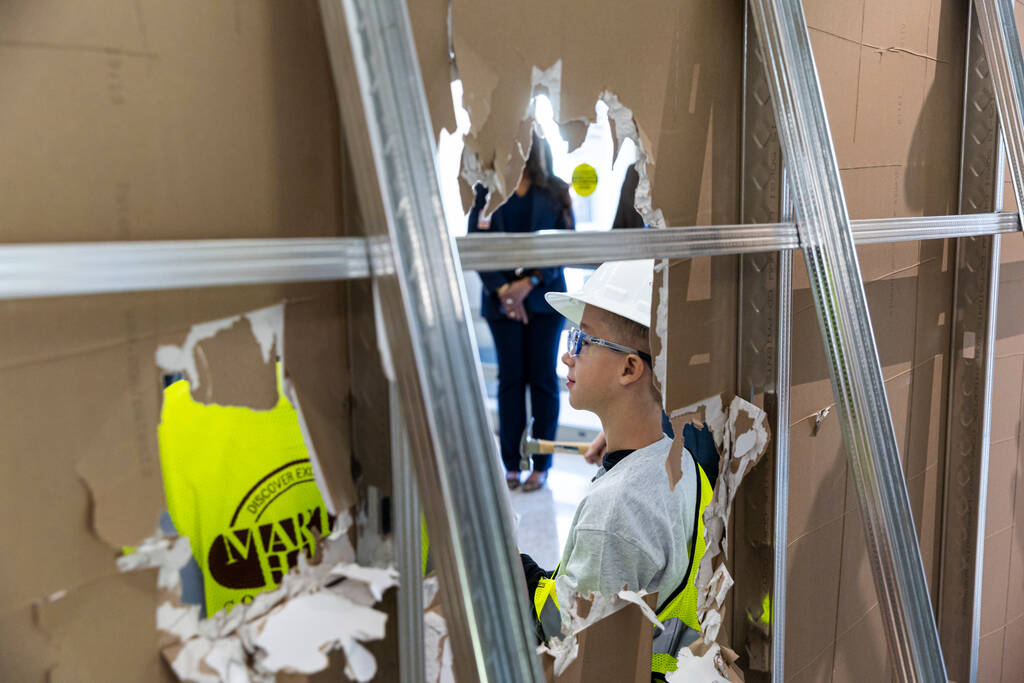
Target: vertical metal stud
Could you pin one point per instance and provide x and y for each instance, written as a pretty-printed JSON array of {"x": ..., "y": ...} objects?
[
  {"x": 854, "y": 367},
  {"x": 780, "y": 544},
  {"x": 970, "y": 366},
  {"x": 408, "y": 549},
  {"x": 1001, "y": 42},
  {"x": 763, "y": 369},
  {"x": 424, "y": 315}
]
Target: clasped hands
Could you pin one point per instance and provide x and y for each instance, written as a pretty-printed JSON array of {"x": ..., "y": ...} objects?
[{"x": 512, "y": 296}]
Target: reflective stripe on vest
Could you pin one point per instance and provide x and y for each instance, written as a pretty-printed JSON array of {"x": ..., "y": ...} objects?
[
  {"x": 240, "y": 486},
  {"x": 679, "y": 613},
  {"x": 545, "y": 603}
]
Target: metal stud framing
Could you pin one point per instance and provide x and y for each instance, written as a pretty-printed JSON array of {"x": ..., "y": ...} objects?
[
  {"x": 970, "y": 379},
  {"x": 827, "y": 240},
  {"x": 408, "y": 553},
  {"x": 999, "y": 37},
  {"x": 416, "y": 271},
  {"x": 763, "y": 369},
  {"x": 434, "y": 356},
  {"x": 38, "y": 270}
]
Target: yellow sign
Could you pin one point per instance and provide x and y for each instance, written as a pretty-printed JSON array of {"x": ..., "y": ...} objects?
[{"x": 584, "y": 180}]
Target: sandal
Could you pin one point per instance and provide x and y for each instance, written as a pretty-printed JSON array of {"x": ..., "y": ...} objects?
[
  {"x": 512, "y": 480},
  {"x": 536, "y": 480}
]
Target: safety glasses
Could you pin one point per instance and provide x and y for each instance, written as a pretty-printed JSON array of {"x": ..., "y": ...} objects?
[{"x": 577, "y": 338}]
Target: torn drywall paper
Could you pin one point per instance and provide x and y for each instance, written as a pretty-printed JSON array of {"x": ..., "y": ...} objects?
[
  {"x": 741, "y": 436},
  {"x": 709, "y": 412},
  {"x": 719, "y": 586},
  {"x": 221, "y": 661},
  {"x": 180, "y": 621},
  {"x": 713, "y": 664},
  {"x": 819, "y": 417},
  {"x": 661, "y": 272},
  {"x": 637, "y": 598},
  {"x": 311, "y": 595},
  {"x": 188, "y": 663},
  {"x": 564, "y": 651},
  {"x": 549, "y": 82},
  {"x": 473, "y": 173},
  {"x": 227, "y": 658},
  {"x": 376, "y": 580},
  {"x": 182, "y": 358},
  {"x": 431, "y": 588},
  {"x": 165, "y": 552},
  {"x": 578, "y": 613},
  {"x": 307, "y": 438},
  {"x": 623, "y": 125},
  {"x": 298, "y": 635},
  {"x": 267, "y": 327},
  {"x": 435, "y": 637},
  {"x": 475, "y": 70},
  {"x": 447, "y": 670}
]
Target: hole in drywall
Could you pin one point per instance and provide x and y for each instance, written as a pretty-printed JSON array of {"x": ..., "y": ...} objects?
[
  {"x": 606, "y": 146},
  {"x": 599, "y": 210}
]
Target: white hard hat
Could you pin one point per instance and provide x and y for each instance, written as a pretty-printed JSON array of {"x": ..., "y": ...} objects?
[{"x": 622, "y": 287}]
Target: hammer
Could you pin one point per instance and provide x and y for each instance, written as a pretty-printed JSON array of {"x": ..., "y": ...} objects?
[{"x": 528, "y": 446}]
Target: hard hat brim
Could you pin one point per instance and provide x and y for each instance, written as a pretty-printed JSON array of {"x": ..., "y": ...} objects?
[{"x": 570, "y": 306}]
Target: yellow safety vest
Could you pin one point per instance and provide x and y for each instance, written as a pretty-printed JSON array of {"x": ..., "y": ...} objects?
[
  {"x": 677, "y": 614},
  {"x": 240, "y": 486}
]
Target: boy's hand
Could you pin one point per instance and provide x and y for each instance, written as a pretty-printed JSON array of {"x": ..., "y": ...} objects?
[{"x": 597, "y": 450}]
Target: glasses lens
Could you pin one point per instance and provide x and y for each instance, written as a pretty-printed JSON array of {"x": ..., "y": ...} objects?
[{"x": 573, "y": 342}]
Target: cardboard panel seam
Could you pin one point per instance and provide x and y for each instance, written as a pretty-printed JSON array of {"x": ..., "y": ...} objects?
[
  {"x": 887, "y": 380},
  {"x": 880, "y": 49}
]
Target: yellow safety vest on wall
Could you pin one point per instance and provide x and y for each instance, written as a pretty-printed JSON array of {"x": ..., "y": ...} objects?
[
  {"x": 678, "y": 613},
  {"x": 239, "y": 485}
]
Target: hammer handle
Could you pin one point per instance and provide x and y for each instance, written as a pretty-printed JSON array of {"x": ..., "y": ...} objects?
[{"x": 544, "y": 446}]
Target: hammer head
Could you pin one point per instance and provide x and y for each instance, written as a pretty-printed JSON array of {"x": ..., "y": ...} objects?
[{"x": 527, "y": 446}]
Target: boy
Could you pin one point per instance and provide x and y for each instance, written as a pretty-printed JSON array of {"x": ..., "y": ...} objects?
[{"x": 632, "y": 529}]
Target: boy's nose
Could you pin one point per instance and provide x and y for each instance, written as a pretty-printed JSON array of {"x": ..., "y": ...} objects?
[{"x": 567, "y": 359}]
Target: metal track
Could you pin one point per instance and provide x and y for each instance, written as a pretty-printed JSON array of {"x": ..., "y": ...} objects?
[
  {"x": 35, "y": 270},
  {"x": 826, "y": 237},
  {"x": 66, "y": 269}
]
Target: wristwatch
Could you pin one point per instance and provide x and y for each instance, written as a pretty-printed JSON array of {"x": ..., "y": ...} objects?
[{"x": 534, "y": 278}]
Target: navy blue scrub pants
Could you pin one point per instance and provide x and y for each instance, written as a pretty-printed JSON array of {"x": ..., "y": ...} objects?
[{"x": 527, "y": 356}]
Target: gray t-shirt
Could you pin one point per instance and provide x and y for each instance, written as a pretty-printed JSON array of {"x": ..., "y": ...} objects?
[{"x": 631, "y": 529}]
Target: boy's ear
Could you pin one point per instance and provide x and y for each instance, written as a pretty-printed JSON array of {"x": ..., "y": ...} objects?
[{"x": 632, "y": 370}]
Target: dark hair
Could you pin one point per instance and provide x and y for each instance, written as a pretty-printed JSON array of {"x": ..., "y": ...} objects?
[
  {"x": 629, "y": 332},
  {"x": 633, "y": 334},
  {"x": 539, "y": 171}
]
